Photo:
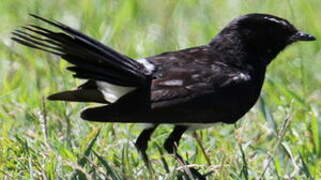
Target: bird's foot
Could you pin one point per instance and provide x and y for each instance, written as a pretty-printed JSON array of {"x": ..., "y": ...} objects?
[{"x": 192, "y": 174}]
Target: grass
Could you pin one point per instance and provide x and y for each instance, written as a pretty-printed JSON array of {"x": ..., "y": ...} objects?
[{"x": 278, "y": 139}]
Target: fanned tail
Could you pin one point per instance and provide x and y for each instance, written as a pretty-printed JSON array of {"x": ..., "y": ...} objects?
[{"x": 90, "y": 59}]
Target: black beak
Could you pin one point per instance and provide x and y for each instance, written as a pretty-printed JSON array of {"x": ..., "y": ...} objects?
[{"x": 301, "y": 36}]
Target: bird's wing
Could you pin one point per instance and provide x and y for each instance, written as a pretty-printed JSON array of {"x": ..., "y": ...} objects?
[
  {"x": 179, "y": 80},
  {"x": 184, "y": 78}
]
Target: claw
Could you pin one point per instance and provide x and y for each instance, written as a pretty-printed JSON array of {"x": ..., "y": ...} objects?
[{"x": 193, "y": 174}]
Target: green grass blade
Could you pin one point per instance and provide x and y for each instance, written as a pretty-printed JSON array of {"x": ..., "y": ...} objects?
[
  {"x": 109, "y": 170},
  {"x": 268, "y": 115},
  {"x": 305, "y": 168},
  {"x": 244, "y": 171},
  {"x": 83, "y": 160}
]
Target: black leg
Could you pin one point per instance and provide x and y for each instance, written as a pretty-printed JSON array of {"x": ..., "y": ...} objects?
[
  {"x": 142, "y": 142},
  {"x": 171, "y": 145},
  {"x": 172, "y": 141}
]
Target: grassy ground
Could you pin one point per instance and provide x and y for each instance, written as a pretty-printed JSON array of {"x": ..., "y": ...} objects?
[{"x": 278, "y": 139}]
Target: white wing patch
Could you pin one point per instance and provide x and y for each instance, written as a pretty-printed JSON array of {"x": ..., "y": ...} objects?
[
  {"x": 173, "y": 82},
  {"x": 148, "y": 66},
  {"x": 112, "y": 92},
  {"x": 237, "y": 78},
  {"x": 242, "y": 76}
]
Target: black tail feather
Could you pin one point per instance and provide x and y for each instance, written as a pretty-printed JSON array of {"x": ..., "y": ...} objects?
[
  {"x": 79, "y": 95},
  {"x": 92, "y": 59},
  {"x": 101, "y": 114},
  {"x": 112, "y": 54}
]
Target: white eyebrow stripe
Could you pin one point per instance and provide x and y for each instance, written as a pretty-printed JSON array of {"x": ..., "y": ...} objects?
[{"x": 276, "y": 20}]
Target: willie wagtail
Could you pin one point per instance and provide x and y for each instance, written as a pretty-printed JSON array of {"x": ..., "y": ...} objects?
[{"x": 216, "y": 82}]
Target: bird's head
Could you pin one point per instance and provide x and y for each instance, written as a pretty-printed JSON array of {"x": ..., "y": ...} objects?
[{"x": 266, "y": 35}]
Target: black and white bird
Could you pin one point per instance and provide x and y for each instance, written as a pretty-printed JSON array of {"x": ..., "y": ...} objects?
[{"x": 216, "y": 82}]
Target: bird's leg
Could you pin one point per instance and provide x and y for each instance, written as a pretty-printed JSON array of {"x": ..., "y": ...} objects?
[
  {"x": 142, "y": 142},
  {"x": 171, "y": 145}
]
